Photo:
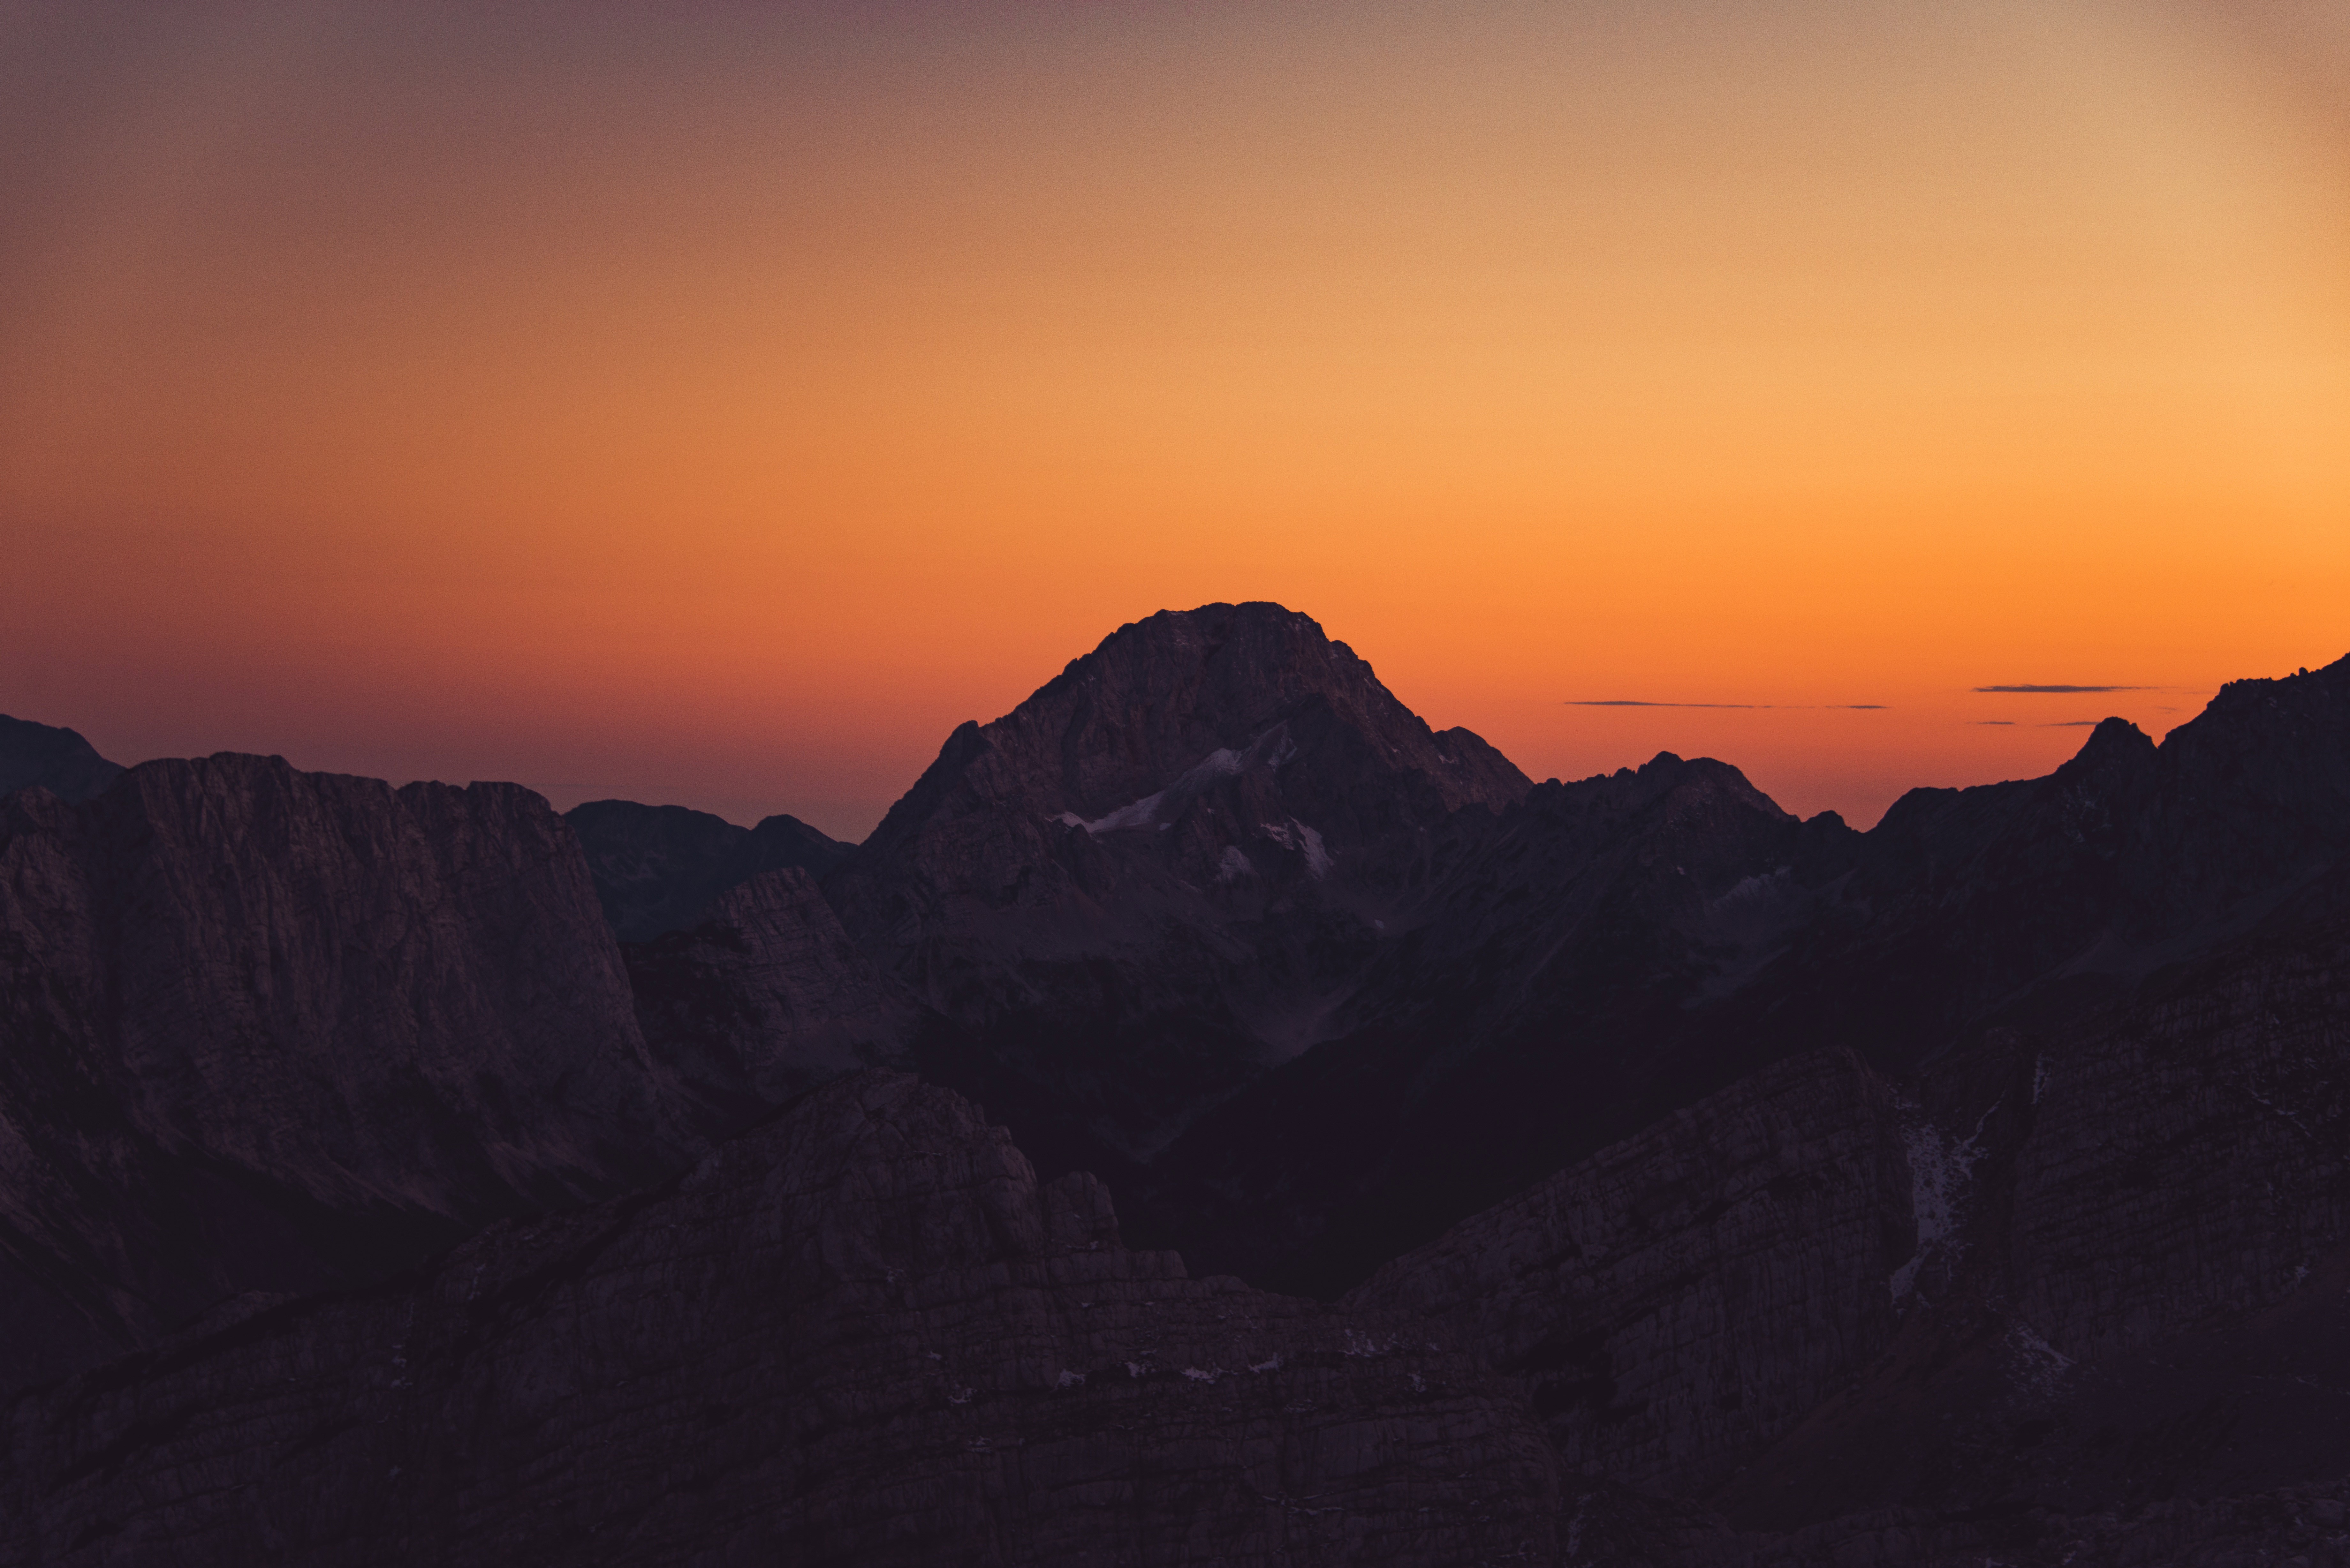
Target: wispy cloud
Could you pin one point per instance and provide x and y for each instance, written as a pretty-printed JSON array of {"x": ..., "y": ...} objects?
[
  {"x": 1640, "y": 702},
  {"x": 2071, "y": 724},
  {"x": 1990, "y": 721},
  {"x": 2061, "y": 691}
]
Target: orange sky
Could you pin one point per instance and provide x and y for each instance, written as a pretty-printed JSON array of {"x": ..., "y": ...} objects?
[{"x": 716, "y": 403}]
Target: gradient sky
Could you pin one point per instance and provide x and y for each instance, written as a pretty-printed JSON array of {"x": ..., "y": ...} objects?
[{"x": 717, "y": 403}]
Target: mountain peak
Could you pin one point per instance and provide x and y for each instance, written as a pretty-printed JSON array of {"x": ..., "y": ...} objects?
[
  {"x": 1165, "y": 701},
  {"x": 2115, "y": 744}
]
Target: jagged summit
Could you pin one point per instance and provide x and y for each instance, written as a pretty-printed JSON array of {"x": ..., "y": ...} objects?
[{"x": 1191, "y": 695}]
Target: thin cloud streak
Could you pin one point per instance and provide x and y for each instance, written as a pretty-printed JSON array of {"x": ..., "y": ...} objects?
[
  {"x": 2062, "y": 690},
  {"x": 1639, "y": 702}
]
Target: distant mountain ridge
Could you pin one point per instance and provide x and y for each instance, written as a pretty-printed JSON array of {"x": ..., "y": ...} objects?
[
  {"x": 1617, "y": 948},
  {"x": 658, "y": 868},
  {"x": 43, "y": 756}
]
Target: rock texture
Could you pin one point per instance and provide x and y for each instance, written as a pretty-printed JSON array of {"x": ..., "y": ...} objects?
[
  {"x": 658, "y": 868},
  {"x": 42, "y": 756},
  {"x": 2143, "y": 1287},
  {"x": 766, "y": 996},
  {"x": 864, "y": 1333},
  {"x": 1686, "y": 1296},
  {"x": 266, "y": 1030}
]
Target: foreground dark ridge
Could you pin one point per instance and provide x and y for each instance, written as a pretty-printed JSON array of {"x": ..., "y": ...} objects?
[{"x": 863, "y": 1334}]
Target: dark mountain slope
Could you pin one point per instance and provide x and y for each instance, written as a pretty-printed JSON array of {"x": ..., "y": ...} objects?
[
  {"x": 43, "y": 756},
  {"x": 267, "y": 1030},
  {"x": 658, "y": 868},
  {"x": 2084, "y": 1301},
  {"x": 2133, "y": 1286},
  {"x": 865, "y": 1333},
  {"x": 1617, "y": 948}
]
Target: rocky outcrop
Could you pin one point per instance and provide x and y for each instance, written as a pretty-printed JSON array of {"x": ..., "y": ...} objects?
[
  {"x": 2143, "y": 1270},
  {"x": 765, "y": 997},
  {"x": 1684, "y": 1297},
  {"x": 269, "y": 1030},
  {"x": 658, "y": 868},
  {"x": 864, "y": 1333},
  {"x": 2191, "y": 1160},
  {"x": 1159, "y": 874},
  {"x": 42, "y": 756}
]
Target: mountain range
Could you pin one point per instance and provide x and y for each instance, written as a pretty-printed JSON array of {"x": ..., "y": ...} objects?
[{"x": 1385, "y": 1157}]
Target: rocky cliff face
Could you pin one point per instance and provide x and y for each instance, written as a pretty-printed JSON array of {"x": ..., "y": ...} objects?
[
  {"x": 765, "y": 997},
  {"x": 42, "y": 756},
  {"x": 656, "y": 869},
  {"x": 1684, "y": 1297},
  {"x": 864, "y": 1333},
  {"x": 2125, "y": 1328},
  {"x": 267, "y": 1030},
  {"x": 1159, "y": 874}
]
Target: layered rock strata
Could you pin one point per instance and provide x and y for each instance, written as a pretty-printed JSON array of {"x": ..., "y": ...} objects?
[
  {"x": 1682, "y": 1298},
  {"x": 2144, "y": 1262},
  {"x": 765, "y": 997}
]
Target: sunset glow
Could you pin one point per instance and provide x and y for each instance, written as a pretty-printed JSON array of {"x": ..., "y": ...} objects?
[{"x": 716, "y": 404}]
